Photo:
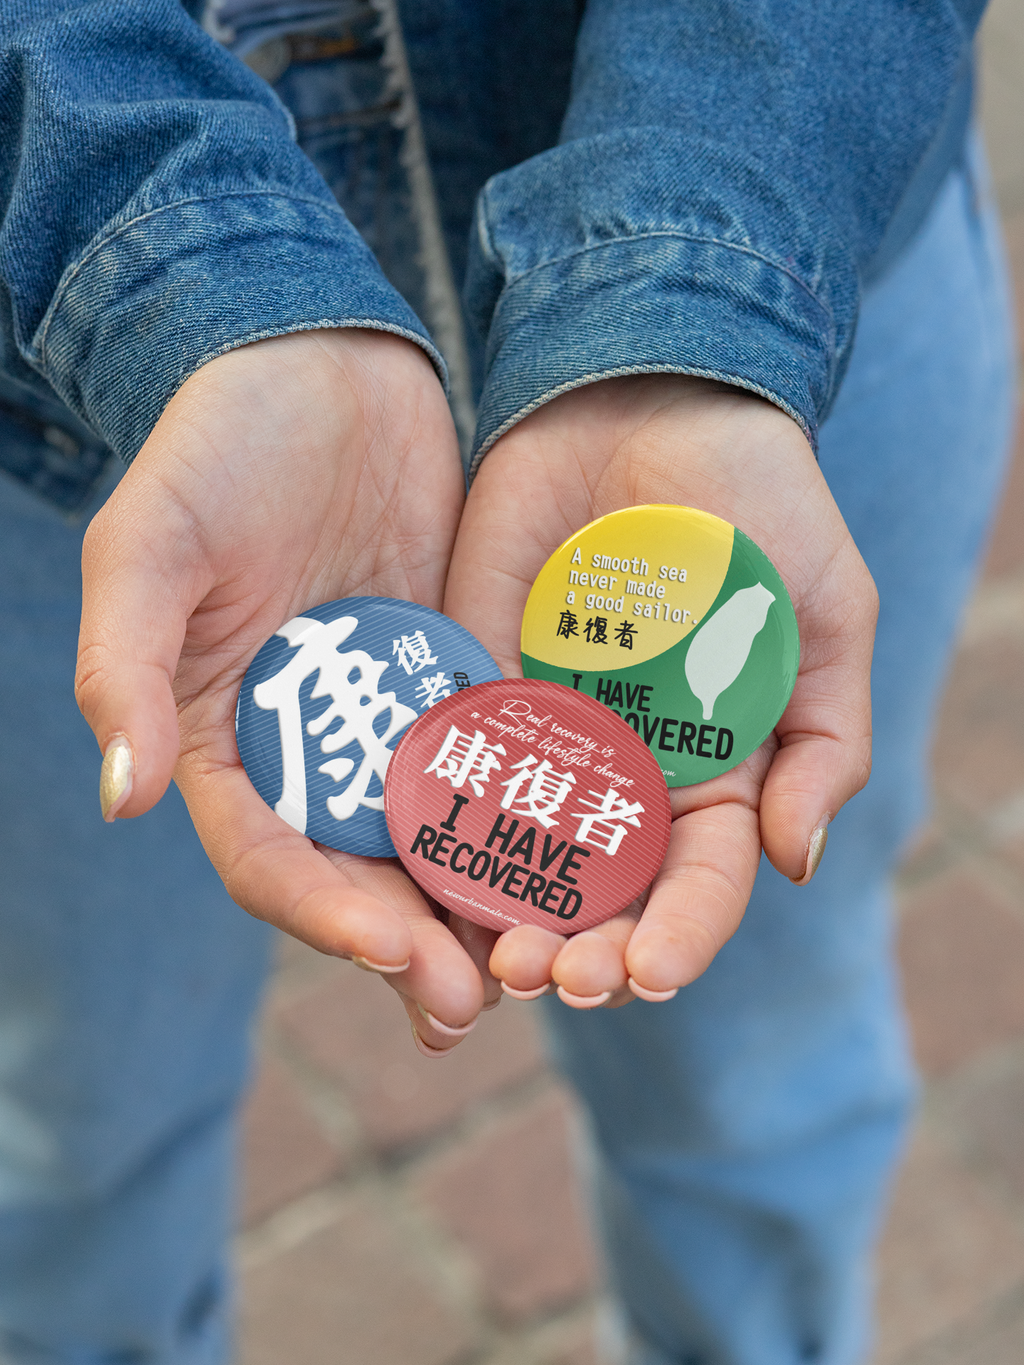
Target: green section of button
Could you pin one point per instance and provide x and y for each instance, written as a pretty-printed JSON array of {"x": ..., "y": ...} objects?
[{"x": 657, "y": 700}]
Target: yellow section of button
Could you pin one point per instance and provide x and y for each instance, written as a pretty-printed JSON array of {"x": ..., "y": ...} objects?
[{"x": 627, "y": 587}]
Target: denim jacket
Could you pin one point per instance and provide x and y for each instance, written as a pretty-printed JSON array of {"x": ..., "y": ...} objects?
[{"x": 700, "y": 186}]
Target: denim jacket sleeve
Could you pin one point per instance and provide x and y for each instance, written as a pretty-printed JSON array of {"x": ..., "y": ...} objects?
[
  {"x": 156, "y": 212},
  {"x": 727, "y": 172}
]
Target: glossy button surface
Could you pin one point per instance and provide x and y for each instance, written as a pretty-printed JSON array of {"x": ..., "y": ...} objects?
[
  {"x": 679, "y": 623},
  {"x": 326, "y": 699},
  {"x": 523, "y": 802}
]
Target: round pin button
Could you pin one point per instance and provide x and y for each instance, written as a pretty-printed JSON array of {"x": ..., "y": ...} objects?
[
  {"x": 679, "y": 623},
  {"x": 523, "y": 802},
  {"x": 327, "y": 698}
]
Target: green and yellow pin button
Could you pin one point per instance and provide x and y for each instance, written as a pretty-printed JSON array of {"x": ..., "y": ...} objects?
[{"x": 677, "y": 621}]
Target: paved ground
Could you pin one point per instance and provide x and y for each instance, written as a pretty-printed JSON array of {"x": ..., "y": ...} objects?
[{"x": 406, "y": 1212}]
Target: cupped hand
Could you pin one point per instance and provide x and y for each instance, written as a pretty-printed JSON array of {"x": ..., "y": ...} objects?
[
  {"x": 676, "y": 439},
  {"x": 282, "y": 475}
]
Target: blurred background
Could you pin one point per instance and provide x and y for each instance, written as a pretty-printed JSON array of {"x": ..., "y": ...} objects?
[{"x": 399, "y": 1211}]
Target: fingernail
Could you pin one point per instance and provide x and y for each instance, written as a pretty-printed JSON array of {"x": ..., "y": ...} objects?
[
  {"x": 446, "y": 1028},
  {"x": 526, "y": 995},
  {"x": 426, "y": 1049},
  {"x": 652, "y": 997},
  {"x": 815, "y": 851},
  {"x": 116, "y": 777},
  {"x": 582, "y": 1002},
  {"x": 490, "y": 1005},
  {"x": 365, "y": 965}
]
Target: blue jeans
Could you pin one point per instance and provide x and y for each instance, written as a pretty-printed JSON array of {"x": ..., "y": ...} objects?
[{"x": 746, "y": 1131}]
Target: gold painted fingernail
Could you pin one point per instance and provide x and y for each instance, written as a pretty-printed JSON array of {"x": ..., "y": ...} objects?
[
  {"x": 384, "y": 968},
  {"x": 526, "y": 995},
  {"x": 815, "y": 852},
  {"x": 582, "y": 1002},
  {"x": 652, "y": 997},
  {"x": 116, "y": 777},
  {"x": 446, "y": 1028},
  {"x": 427, "y": 1050}
]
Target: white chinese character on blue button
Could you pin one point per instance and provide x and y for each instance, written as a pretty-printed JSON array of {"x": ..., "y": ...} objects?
[{"x": 326, "y": 700}]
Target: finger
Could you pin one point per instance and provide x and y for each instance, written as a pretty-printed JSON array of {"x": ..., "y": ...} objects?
[
  {"x": 810, "y": 781},
  {"x": 441, "y": 987},
  {"x": 134, "y": 614},
  {"x": 478, "y": 943},
  {"x": 431, "y": 1036},
  {"x": 591, "y": 966},
  {"x": 698, "y": 897},
  {"x": 824, "y": 755},
  {"x": 522, "y": 960}
]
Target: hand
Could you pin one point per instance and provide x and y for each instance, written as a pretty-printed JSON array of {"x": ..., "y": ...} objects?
[
  {"x": 676, "y": 439},
  {"x": 283, "y": 474}
]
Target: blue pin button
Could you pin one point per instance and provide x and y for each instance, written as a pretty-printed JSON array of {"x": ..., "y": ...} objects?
[{"x": 328, "y": 697}]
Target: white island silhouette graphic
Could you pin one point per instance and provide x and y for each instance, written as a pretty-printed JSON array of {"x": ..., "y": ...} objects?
[{"x": 722, "y": 646}]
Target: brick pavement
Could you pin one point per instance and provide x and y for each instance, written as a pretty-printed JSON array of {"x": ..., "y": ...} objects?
[{"x": 399, "y": 1211}]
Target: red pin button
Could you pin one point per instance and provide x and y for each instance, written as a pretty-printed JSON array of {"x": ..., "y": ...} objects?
[{"x": 524, "y": 802}]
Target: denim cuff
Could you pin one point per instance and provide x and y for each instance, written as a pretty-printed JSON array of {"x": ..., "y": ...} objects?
[
  {"x": 647, "y": 250},
  {"x": 148, "y": 304},
  {"x": 648, "y": 306}
]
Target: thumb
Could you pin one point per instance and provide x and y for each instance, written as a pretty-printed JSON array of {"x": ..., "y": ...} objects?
[
  {"x": 823, "y": 759},
  {"x": 135, "y": 607},
  {"x": 810, "y": 780}
]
